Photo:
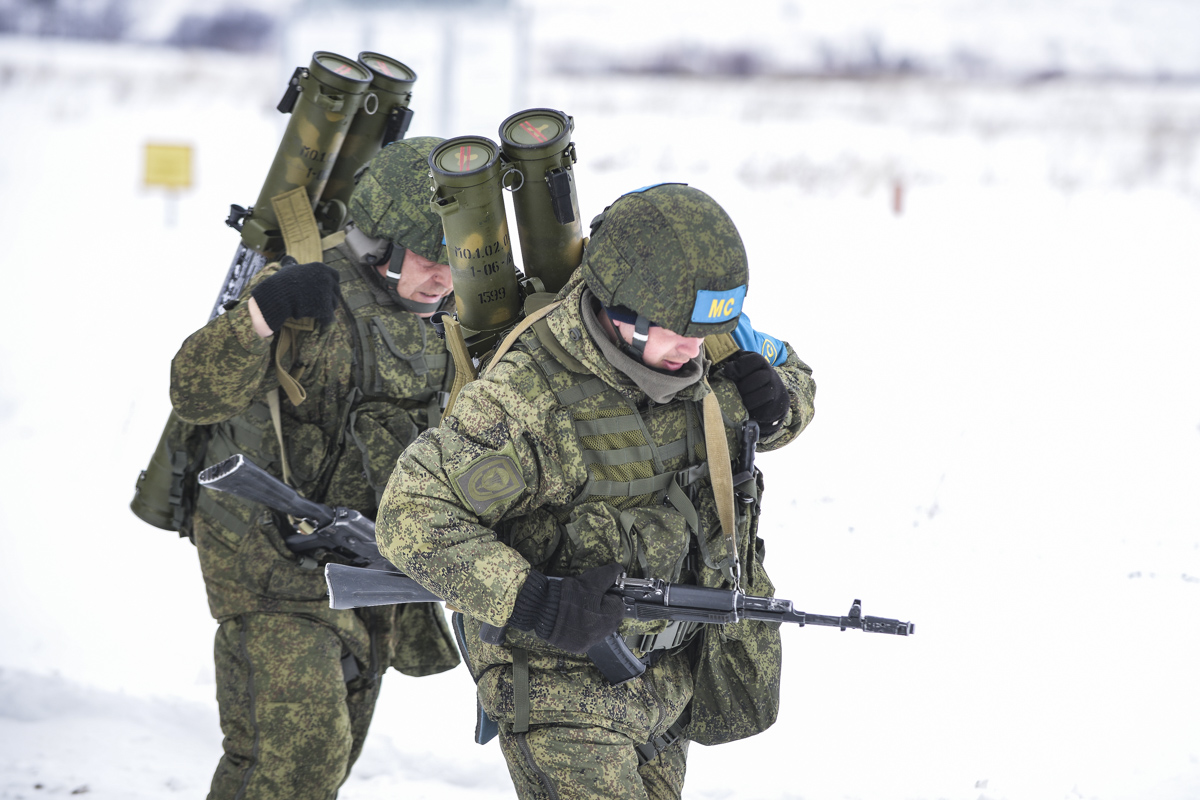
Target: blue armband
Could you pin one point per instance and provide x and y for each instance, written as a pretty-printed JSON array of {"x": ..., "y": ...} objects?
[{"x": 769, "y": 347}]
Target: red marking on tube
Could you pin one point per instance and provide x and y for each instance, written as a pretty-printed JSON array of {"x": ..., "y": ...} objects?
[
  {"x": 534, "y": 133},
  {"x": 464, "y": 157}
]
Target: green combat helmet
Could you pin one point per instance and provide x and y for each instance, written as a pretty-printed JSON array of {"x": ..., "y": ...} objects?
[
  {"x": 672, "y": 256},
  {"x": 390, "y": 206}
]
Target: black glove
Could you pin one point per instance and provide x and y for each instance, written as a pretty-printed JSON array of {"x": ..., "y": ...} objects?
[
  {"x": 573, "y": 614},
  {"x": 296, "y": 291},
  {"x": 762, "y": 390}
]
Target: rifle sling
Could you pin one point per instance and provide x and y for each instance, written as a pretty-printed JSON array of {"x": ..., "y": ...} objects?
[{"x": 720, "y": 472}]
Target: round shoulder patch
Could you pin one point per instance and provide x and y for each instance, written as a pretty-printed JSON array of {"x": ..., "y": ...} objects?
[{"x": 489, "y": 480}]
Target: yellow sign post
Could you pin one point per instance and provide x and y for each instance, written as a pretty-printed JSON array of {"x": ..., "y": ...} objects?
[{"x": 170, "y": 167}]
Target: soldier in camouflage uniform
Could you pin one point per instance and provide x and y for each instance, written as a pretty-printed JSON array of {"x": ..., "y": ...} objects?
[
  {"x": 362, "y": 374},
  {"x": 581, "y": 454}
]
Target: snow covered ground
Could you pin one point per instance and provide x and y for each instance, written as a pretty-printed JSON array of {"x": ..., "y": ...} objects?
[{"x": 1006, "y": 448}]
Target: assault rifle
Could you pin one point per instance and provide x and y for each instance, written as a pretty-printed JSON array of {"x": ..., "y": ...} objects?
[
  {"x": 644, "y": 599},
  {"x": 375, "y": 580}
]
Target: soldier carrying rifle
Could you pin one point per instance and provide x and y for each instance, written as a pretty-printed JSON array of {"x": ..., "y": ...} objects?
[
  {"x": 362, "y": 373},
  {"x": 602, "y": 443}
]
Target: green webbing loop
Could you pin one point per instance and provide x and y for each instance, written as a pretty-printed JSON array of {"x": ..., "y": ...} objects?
[
  {"x": 634, "y": 488},
  {"x": 681, "y": 503},
  {"x": 520, "y": 690},
  {"x": 603, "y": 426},
  {"x": 632, "y": 455}
]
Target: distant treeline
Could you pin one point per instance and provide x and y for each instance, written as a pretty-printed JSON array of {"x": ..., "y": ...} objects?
[{"x": 232, "y": 29}]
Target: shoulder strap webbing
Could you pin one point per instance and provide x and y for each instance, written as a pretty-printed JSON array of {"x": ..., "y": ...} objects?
[
  {"x": 464, "y": 367},
  {"x": 277, "y": 421},
  {"x": 465, "y": 370},
  {"x": 721, "y": 474},
  {"x": 301, "y": 237},
  {"x": 521, "y": 327},
  {"x": 283, "y": 345},
  {"x": 520, "y": 690}
]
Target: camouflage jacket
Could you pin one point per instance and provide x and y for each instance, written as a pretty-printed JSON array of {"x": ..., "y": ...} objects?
[
  {"x": 372, "y": 379},
  {"x": 515, "y": 477}
]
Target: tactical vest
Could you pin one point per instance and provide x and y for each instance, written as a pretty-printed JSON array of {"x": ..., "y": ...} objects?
[
  {"x": 400, "y": 375},
  {"x": 646, "y": 503}
]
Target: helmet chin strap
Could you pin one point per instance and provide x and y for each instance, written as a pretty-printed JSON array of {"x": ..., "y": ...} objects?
[
  {"x": 641, "y": 335},
  {"x": 641, "y": 331}
]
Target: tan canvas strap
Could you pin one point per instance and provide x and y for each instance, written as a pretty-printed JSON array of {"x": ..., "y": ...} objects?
[
  {"x": 521, "y": 327},
  {"x": 277, "y": 421},
  {"x": 304, "y": 526},
  {"x": 721, "y": 474},
  {"x": 464, "y": 367},
  {"x": 302, "y": 241},
  {"x": 719, "y": 347},
  {"x": 301, "y": 238},
  {"x": 285, "y": 339}
]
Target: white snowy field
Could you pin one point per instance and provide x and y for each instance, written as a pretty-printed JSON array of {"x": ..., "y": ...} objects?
[{"x": 1006, "y": 449}]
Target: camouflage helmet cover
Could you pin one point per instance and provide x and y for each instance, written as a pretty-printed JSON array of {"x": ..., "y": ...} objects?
[
  {"x": 670, "y": 253},
  {"x": 391, "y": 199}
]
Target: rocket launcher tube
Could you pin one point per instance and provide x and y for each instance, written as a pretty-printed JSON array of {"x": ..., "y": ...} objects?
[
  {"x": 330, "y": 92},
  {"x": 537, "y": 143},
  {"x": 467, "y": 183},
  {"x": 383, "y": 117}
]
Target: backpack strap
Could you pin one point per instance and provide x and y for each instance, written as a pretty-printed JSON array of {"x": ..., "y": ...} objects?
[
  {"x": 515, "y": 333},
  {"x": 464, "y": 369},
  {"x": 277, "y": 421}
]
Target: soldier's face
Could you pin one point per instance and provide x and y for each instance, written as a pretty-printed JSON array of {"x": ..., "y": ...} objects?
[
  {"x": 422, "y": 280},
  {"x": 664, "y": 349}
]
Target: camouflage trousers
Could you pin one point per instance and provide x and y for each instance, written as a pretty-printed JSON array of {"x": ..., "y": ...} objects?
[
  {"x": 293, "y": 725},
  {"x": 555, "y": 762}
]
